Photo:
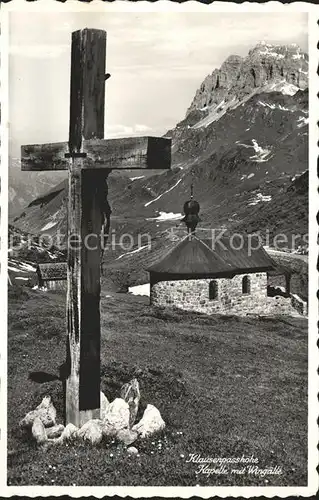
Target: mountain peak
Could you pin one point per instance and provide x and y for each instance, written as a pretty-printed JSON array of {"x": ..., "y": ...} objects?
[
  {"x": 278, "y": 51},
  {"x": 234, "y": 58},
  {"x": 267, "y": 67}
]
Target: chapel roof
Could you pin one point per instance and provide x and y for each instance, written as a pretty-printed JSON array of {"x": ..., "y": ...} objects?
[
  {"x": 52, "y": 271},
  {"x": 195, "y": 257}
]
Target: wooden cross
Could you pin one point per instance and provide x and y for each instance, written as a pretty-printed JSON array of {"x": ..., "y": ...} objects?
[{"x": 89, "y": 158}]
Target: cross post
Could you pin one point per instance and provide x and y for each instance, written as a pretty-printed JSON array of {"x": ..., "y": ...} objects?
[{"x": 89, "y": 158}]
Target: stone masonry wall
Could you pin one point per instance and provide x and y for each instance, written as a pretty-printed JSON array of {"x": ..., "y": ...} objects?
[
  {"x": 193, "y": 295},
  {"x": 56, "y": 285}
]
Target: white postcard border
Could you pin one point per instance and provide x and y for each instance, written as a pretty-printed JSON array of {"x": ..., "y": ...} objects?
[{"x": 182, "y": 492}]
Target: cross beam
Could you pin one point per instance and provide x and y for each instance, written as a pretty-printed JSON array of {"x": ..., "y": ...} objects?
[
  {"x": 89, "y": 158},
  {"x": 126, "y": 153}
]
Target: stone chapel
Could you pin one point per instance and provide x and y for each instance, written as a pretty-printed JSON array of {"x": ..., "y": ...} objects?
[{"x": 224, "y": 276}]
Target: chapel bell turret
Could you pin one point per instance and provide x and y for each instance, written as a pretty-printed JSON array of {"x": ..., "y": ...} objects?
[{"x": 191, "y": 211}]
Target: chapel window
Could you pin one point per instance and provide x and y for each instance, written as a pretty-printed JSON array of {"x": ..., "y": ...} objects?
[
  {"x": 213, "y": 290},
  {"x": 246, "y": 285}
]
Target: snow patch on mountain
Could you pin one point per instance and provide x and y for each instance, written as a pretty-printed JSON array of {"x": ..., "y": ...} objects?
[
  {"x": 140, "y": 289},
  {"x": 249, "y": 176},
  {"x": 166, "y": 216},
  {"x": 260, "y": 198},
  {"x": 20, "y": 266},
  {"x": 138, "y": 177},
  {"x": 53, "y": 222},
  {"x": 289, "y": 89},
  {"x": 26, "y": 267},
  {"x": 298, "y": 56},
  {"x": 275, "y": 106},
  {"x": 244, "y": 145},
  {"x": 262, "y": 154},
  {"x": 49, "y": 225},
  {"x": 160, "y": 196},
  {"x": 216, "y": 112},
  {"x": 270, "y": 52},
  {"x": 15, "y": 269},
  {"x": 302, "y": 121},
  {"x": 133, "y": 251},
  {"x": 282, "y": 86}
]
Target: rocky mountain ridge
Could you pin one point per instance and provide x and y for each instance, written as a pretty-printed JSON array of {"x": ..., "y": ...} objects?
[
  {"x": 27, "y": 186},
  {"x": 267, "y": 67}
]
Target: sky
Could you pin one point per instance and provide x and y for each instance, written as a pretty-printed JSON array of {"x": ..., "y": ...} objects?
[{"x": 157, "y": 62}]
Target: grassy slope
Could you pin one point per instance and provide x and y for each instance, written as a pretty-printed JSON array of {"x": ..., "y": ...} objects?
[{"x": 230, "y": 385}]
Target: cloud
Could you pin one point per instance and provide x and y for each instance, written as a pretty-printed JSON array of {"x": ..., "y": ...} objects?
[
  {"x": 42, "y": 51},
  {"x": 65, "y": 26},
  {"x": 142, "y": 128},
  {"x": 119, "y": 130}
]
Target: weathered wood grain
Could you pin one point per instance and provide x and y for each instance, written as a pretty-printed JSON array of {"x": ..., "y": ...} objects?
[
  {"x": 92, "y": 194},
  {"x": 50, "y": 156},
  {"x": 88, "y": 55},
  {"x": 84, "y": 219},
  {"x": 73, "y": 303},
  {"x": 125, "y": 153},
  {"x": 129, "y": 153}
]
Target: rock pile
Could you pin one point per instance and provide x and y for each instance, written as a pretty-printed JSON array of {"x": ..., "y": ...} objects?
[{"x": 117, "y": 420}]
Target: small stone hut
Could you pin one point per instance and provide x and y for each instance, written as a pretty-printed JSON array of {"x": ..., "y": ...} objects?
[{"x": 52, "y": 276}]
